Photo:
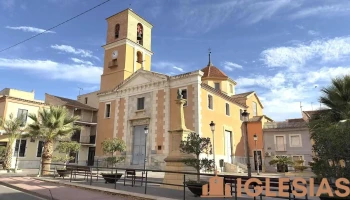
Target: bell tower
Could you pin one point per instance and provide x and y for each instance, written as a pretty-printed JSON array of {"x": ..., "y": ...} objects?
[{"x": 128, "y": 48}]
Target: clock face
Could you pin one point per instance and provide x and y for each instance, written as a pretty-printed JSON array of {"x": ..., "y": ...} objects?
[{"x": 115, "y": 54}]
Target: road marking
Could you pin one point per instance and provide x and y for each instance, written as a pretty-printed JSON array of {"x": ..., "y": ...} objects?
[{"x": 23, "y": 192}]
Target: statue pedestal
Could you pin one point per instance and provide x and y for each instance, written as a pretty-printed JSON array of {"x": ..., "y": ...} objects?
[{"x": 174, "y": 161}]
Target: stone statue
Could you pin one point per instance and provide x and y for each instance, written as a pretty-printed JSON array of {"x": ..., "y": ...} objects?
[{"x": 179, "y": 95}]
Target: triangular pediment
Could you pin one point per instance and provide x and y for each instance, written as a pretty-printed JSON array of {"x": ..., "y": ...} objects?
[{"x": 142, "y": 77}]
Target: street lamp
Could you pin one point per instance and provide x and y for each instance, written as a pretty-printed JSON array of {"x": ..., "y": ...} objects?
[
  {"x": 245, "y": 116},
  {"x": 256, "y": 152},
  {"x": 212, "y": 127},
  {"x": 144, "y": 163}
]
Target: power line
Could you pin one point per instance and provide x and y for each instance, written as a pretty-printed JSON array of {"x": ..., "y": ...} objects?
[{"x": 54, "y": 26}]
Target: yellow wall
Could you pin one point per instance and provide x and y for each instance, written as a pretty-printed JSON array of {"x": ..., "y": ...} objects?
[
  {"x": 224, "y": 85},
  {"x": 2, "y": 107},
  {"x": 133, "y": 20},
  {"x": 18, "y": 93},
  {"x": 92, "y": 99},
  {"x": 252, "y": 98},
  {"x": 222, "y": 121},
  {"x": 13, "y": 108}
]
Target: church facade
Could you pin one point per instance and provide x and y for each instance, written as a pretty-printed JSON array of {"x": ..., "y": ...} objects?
[{"x": 133, "y": 97}]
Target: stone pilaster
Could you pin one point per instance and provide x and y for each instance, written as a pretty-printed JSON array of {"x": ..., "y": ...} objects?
[{"x": 175, "y": 157}]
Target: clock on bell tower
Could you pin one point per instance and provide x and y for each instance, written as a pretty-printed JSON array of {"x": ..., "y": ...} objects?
[{"x": 128, "y": 48}]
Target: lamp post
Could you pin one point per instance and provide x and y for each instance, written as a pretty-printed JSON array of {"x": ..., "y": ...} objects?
[
  {"x": 212, "y": 127},
  {"x": 256, "y": 153},
  {"x": 245, "y": 116},
  {"x": 144, "y": 163}
]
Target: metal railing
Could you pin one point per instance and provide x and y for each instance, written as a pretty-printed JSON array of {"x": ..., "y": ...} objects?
[{"x": 92, "y": 175}]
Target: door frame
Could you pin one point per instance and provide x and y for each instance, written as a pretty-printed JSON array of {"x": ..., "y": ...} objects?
[
  {"x": 93, "y": 158},
  {"x": 133, "y": 147},
  {"x": 260, "y": 157},
  {"x": 225, "y": 137}
]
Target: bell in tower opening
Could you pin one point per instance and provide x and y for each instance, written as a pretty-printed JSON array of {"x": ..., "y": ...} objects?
[{"x": 139, "y": 33}]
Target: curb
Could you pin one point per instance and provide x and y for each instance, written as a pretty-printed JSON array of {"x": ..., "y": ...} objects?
[
  {"x": 27, "y": 191},
  {"x": 107, "y": 190}
]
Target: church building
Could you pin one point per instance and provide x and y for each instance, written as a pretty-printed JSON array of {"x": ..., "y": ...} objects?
[{"x": 133, "y": 97}]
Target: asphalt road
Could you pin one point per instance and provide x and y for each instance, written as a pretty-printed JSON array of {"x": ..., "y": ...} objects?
[{"x": 7, "y": 193}]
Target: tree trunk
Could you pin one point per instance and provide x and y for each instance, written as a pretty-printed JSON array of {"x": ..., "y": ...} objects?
[
  {"x": 198, "y": 169},
  {"x": 47, "y": 156},
  {"x": 8, "y": 156}
]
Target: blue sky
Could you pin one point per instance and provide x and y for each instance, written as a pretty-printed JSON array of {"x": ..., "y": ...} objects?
[{"x": 285, "y": 50}]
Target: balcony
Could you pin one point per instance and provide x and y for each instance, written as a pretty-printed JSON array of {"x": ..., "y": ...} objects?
[
  {"x": 88, "y": 139},
  {"x": 280, "y": 147}
]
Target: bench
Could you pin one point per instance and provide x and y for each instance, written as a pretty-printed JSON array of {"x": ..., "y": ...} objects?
[
  {"x": 273, "y": 186},
  {"x": 79, "y": 170},
  {"x": 131, "y": 173}
]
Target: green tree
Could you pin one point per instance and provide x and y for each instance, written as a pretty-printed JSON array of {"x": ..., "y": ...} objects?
[
  {"x": 330, "y": 146},
  {"x": 337, "y": 97},
  {"x": 66, "y": 148},
  {"x": 13, "y": 128},
  {"x": 194, "y": 144},
  {"x": 282, "y": 161},
  {"x": 111, "y": 146},
  {"x": 51, "y": 125}
]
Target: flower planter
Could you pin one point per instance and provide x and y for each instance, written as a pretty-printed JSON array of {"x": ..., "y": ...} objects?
[
  {"x": 195, "y": 187},
  {"x": 63, "y": 172},
  {"x": 112, "y": 178}
]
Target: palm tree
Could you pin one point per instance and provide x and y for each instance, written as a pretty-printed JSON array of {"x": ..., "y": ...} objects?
[
  {"x": 282, "y": 161},
  {"x": 337, "y": 97},
  {"x": 13, "y": 129},
  {"x": 51, "y": 125}
]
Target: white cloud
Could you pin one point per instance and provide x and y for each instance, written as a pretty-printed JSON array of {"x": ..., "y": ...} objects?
[
  {"x": 207, "y": 15},
  {"x": 296, "y": 56},
  {"x": 230, "y": 66},
  {"x": 70, "y": 49},
  {"x": 28, "y": 29},
  {"x": 312, "y": 32},
  {"x": 300, "y": 26},
  {"x": 54, "y": 70},
  {"x": 282, "y": 92},
  {"x": 323, "y": 11},
  {"x": 76, "y": 60},
  {"x": 178, "y": 68},
  {"x": 169, "y": 68}
]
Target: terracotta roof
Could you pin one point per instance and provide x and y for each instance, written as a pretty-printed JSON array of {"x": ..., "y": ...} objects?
[
  {"x": 242, "y": 95},
  {"x": 296, "y": 120},
  {"x": 218, "y": 92},
  {"x": 213, "y": 72},
  {"x": 73, "y": 103},
  {"x": 256, "y": 119},
  {"x": 259, "y": 118},
  {"x": 283, "y": 125}
]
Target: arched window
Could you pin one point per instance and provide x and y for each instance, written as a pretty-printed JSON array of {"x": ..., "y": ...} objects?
[
  {"x": 116, "y": 31},
  {"x": 140, "y": 33},
  {"x": 139, "y": 57}
]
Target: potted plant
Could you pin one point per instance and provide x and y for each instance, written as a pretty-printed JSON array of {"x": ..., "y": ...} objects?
[
  {"x": 194, "y": 144},
  {"x": 282, "y": 162},
  {"x": 110, "y": 146},
  {"x": 298, "y": 165},
  {"x": 66, "y": 148}
]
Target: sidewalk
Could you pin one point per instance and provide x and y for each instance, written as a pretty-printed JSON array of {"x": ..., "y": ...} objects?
[{"x": 46, "y": 190}]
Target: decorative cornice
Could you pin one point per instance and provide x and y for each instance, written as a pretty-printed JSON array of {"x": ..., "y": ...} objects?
[
  {"x": 24, "y": 100},
  {"x": 126, "y": 41},
  {"x": 219, "y": 93}
]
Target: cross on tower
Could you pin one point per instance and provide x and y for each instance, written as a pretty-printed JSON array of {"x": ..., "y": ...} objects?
[{"x": 209, "y": 63}]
